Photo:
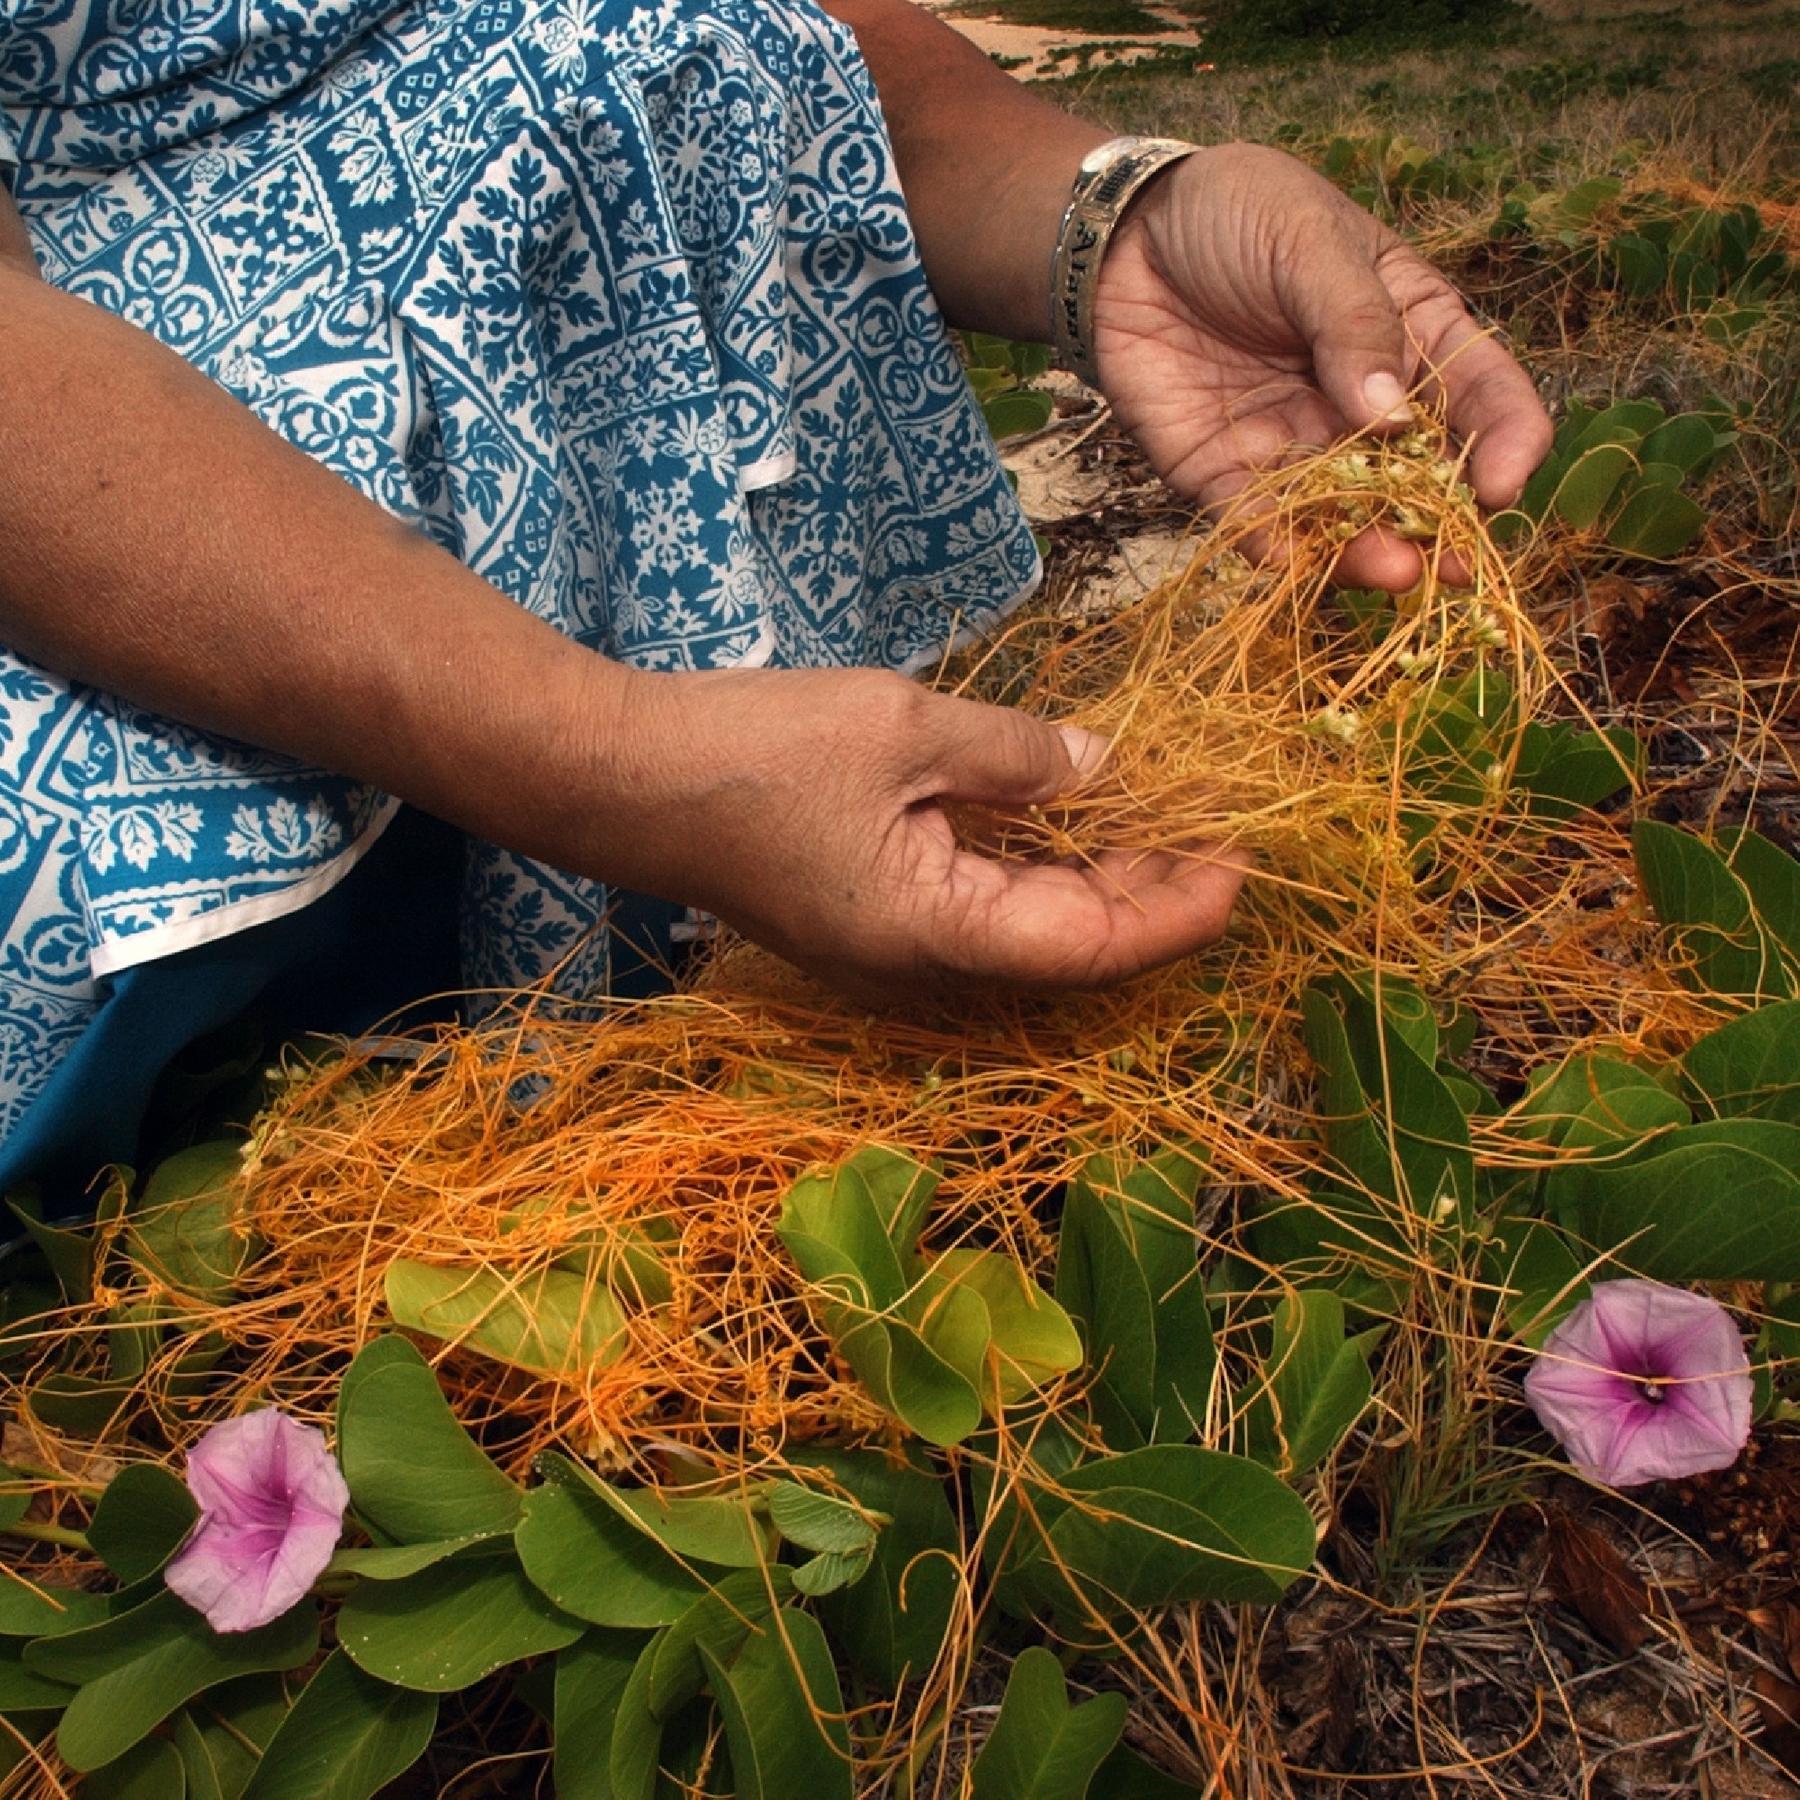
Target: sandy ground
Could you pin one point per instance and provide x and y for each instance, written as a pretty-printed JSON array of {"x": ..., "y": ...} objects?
[{"x": 1031, "y": 45}]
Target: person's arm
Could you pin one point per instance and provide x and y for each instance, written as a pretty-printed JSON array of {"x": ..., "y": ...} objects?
[
  {"x": 987, "y": 165},
  {"x": 1245, "y": 308},
  {"x": 159, "y": 542},
  {"x": 15, "y": 242}
]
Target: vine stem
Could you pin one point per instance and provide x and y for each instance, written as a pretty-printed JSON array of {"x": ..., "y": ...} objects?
[
  {"x": 40, "y": 1533},
  {"x": 925, "y": 1741},
  {"x": 50, "y": 1478}
]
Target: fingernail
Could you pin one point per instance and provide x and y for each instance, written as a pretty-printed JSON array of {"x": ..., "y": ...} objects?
[
  {"x": 1087, "y": 749},
  {"x": 1386, "y": 397}
]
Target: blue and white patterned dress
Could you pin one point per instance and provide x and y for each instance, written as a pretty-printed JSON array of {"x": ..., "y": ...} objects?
[{"x": 616, "y": 299}]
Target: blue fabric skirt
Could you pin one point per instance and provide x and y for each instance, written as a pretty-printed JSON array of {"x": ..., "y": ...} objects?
[{"x": 615, "y": 299}]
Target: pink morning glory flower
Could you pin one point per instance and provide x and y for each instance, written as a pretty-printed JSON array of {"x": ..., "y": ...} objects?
[
  {"x": 271, "y": 1510},
  {"x": 1644, "y": 1382}
]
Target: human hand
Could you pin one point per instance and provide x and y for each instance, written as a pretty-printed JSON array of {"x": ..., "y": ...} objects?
[
  {"x": 1246, "y": 307},
  {"x": 806, "y": 809}
]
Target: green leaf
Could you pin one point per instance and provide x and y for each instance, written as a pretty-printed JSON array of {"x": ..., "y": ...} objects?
[
  {"x": 987, "y": 351},
  {"x": 895, "y": 1620},
  {"x": 1411, "y": 1144},
  {"x": 591, "y": 1675},
  {"x": 346, "y": 1738},
  {"x": 1750, "y": 1067},
  {"x": 1152, "y": 1527},
  {"x": 692, "y": 1528},
  {"x": 1688, "y": 441},
  {"x": 1448, "y": 738},
  {"x": 222, "y": 1734},
  {"x": 81, "y": 1653},
  {"x": 1694, "y": 279},
  {"x": 1540, "y": 1275},
  {"x": 1402, "y": 1007},
  {"x": 134, "y": 1337},
  {"x": 1778, "y": 1343},
  {"x": 1657, "y": 521},
  {"x": 1773, "y": 880},
  {"x": 1651, "y": 475},
  {"x": 14, "y": 1505},
  {"x": 28, "y": 1611},
  {"x": 1165, "y": 1374},
  {"x": 741, "y": 1602},
  {"x": 1029, "y": 1339},
  {"x": 550, "y": 1321},
  {"x": 1317, "y": 1382},
  {"x": 834, "y": 1231},
  {"x": 1617, "y": 1128},
  {"x": 909, "y": 1378},
  {"x": 1105, "y": 1289},
  {"x": 1534, "y": 502},
  {"x": 1730, "y": 325},
  {"x": 70, "y": 1254},
  {"x": 1357, "y": 1144},
  {"x": 199, "y": 1767},
  {"x": 534, "y": 1686},
  {"x": 831, "y": 1570},
  {"x": 1014, "y": 414},
  {"x": 185, "y": 1229},
  {"x": 141, "y": 1520},
  {"x": 580, "y": 1552},
  {"x": 1620, "y": 1124},
  {"x": 819, "y": 1521},
  {"x": 901, "y": 1189},
  {"x": 392, "y": 1562},
  {"x": 637, "y": 1732},
  {"x": 1642, "y": 269},
  {"x": 1128, "y": 1548},
  {"x": 80, "y": 1405},
  {"x": 778, "y": 1696},
  {"x": 1625, "y": 422},
  {"x": 1590, "y": 482},
  {"x": 1580, "y": 1086},
  {"x": 148, "y": 1771},
  {"x": 1706, "y": 911},
  {"x": 1578, "y": 204},
  {"x": 189, "y": 1374},
  {"x": 1126, "y": 1776},
  {"x": 1476, "y": 1100},
  {"x": 849, "y": 1230},
  {"x": 446, "y": 1627},
  {"x": 413, "y": 1472},
  {"x": 1717, "y": 1201},
  {"x": 1041, "y": 1747},
  {"x": 1576, "y": 770},
  {"x": 628, "y": 1259},
  {"x": 170, "y": 1665},
  {"x": 25, "y": 1690}
]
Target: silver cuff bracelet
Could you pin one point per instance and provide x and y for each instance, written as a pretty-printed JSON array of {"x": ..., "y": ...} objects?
[{"x": 1105, "y": 184}]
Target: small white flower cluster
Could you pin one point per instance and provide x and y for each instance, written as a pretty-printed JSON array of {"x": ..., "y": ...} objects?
[
  {"x": 1343, "y": 723},
  {"x": 1383, "y": 489}
]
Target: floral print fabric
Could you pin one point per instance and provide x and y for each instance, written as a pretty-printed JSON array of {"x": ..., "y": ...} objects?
[{"x": 615, "y": 299}]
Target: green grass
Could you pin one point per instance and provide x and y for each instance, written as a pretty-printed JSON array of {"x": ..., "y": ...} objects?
[{"x": 1564, "y": 91}]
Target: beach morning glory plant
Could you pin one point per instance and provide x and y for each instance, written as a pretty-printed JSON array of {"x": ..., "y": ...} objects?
[
  {"x": 272, "y": 1505},
  {"x": 1644, "y": 1382}
]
